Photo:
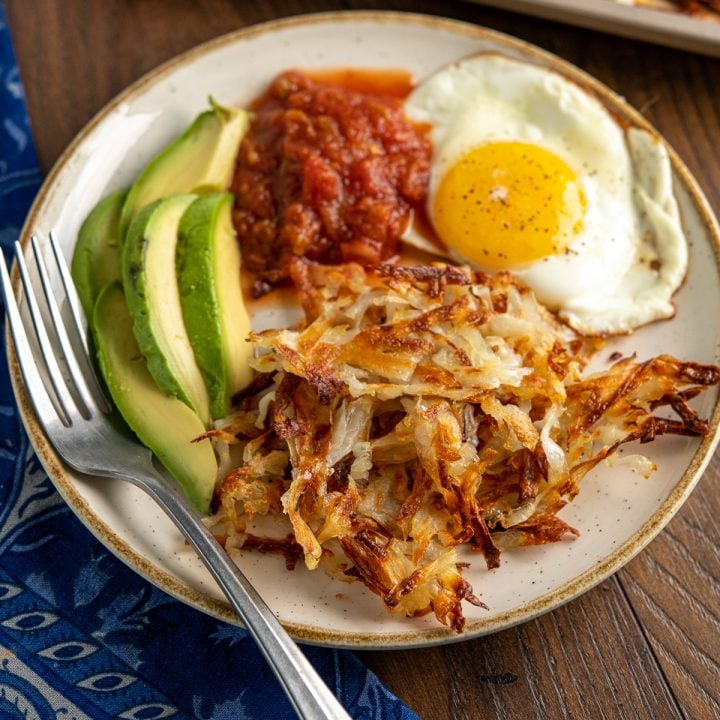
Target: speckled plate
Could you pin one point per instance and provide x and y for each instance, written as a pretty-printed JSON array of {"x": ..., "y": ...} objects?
[{"x": 617, "y": 512}]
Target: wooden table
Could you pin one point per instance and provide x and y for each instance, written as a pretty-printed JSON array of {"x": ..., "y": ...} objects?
[{"x": 646, "y": 642}]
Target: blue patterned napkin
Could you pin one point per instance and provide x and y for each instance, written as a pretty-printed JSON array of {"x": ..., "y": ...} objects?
[{"x": 81, "y": 635}]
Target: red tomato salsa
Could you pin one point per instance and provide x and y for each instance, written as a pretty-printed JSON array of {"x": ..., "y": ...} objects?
[{"x": 326, "y": 172}]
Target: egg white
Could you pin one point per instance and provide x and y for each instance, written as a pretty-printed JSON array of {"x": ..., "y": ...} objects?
[{"x": 622, "y": 268}]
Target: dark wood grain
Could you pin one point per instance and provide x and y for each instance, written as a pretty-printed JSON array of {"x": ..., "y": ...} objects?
[
  {"x": 645, "y": 643},
  {"x": 674, "y": 590},
  {"x": 585, "y": 660}
]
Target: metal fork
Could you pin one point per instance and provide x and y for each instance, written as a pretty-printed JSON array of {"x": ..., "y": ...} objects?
[{"x": 74, "y": 414}]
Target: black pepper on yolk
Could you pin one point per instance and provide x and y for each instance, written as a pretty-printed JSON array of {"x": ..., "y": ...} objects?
[{"x": 508, "y": 203}]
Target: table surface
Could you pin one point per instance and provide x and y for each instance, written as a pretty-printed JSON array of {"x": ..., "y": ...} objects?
[{"x": 646, "y": 642}]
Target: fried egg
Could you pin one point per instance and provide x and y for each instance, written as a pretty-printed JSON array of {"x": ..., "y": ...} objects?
[{"x": 532, "y": 174}]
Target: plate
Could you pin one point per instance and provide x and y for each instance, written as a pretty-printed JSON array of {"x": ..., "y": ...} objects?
[
  {"x": 617, "y": 512},
  {"x": 660, "y": 23}
]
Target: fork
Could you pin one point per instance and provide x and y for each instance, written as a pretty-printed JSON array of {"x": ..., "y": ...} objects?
[{"x": 73, "y": 411}]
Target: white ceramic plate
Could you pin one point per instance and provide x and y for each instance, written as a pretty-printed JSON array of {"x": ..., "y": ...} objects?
[{"x": 617, "y": 512}]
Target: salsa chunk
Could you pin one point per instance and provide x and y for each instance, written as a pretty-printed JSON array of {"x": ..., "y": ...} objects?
[{"x": 325, "y": 172}]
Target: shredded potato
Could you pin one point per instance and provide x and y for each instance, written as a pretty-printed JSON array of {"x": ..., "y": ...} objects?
[{"x": 420, "y": 408}]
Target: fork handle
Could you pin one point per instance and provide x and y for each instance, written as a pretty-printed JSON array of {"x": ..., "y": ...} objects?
[{"x": 310, "y": 696}]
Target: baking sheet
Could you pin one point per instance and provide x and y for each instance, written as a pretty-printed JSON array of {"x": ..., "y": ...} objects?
[{"x": 672, "y": 28}]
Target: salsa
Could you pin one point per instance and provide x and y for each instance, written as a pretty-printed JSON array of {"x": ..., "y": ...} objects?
[{"x": 330, "y": 170}]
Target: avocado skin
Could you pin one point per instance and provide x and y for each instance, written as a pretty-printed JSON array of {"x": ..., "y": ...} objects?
[
  {"x": 194, "y": 261},
  {"x": 163, "y": 424},
  {"x": 171, "y": 380},
  {"x": 208, "y": 260},
  {"x": 200, "y": 160},
  {"x": 96, "y": 259}
]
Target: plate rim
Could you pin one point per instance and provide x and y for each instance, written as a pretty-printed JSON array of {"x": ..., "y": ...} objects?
[{"x": 413, "y": 636}]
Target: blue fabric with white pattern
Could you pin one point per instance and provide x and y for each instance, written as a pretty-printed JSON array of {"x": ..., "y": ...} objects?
[{"x": 81, "y": 635}]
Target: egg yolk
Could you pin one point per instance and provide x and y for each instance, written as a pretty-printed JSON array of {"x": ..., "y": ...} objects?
[{"x": 508, "y": 203}]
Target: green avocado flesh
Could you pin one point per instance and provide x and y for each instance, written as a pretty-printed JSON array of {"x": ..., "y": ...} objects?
[
  {"x": 151, "y": 290},
  {"x": 163, "y": 424},
  {"x": 96, "y": 260},
  {"x": 201, "y": 160},
  {"x": 208, "y": 275}
]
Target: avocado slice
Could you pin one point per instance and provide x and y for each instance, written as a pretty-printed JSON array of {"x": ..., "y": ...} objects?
[
  {"x": 208, "y": 275},
  {"x": 201, "y": 160},
  {"x": 163, "y": 424},
  {"x": 96, "y": 260},
  {"x": 151, "y": 290}
]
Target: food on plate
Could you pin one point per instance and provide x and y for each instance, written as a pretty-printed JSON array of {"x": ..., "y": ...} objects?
[
  {"x": 530, "y": 173},
  {"x": 214, "y": 313},
  {"x": 96, "y": 260},
  {"x": 164, "y": 424},
  {"x": 153, "y": 298},
  {"x": 165, "y": 379},
  {"x": 200, "y": 160},
  {"x": 701, "y": 9},
  {"x": 416, "y": 408},
  {"x": 422, "y": 408},
  {"x": 325, "y": 172}
]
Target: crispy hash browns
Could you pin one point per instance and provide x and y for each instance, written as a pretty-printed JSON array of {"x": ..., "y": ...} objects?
[{"x": 419, "y": 408}]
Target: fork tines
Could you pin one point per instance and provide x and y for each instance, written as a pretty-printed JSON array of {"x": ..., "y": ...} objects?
[{"x": 53, "y": 356}]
